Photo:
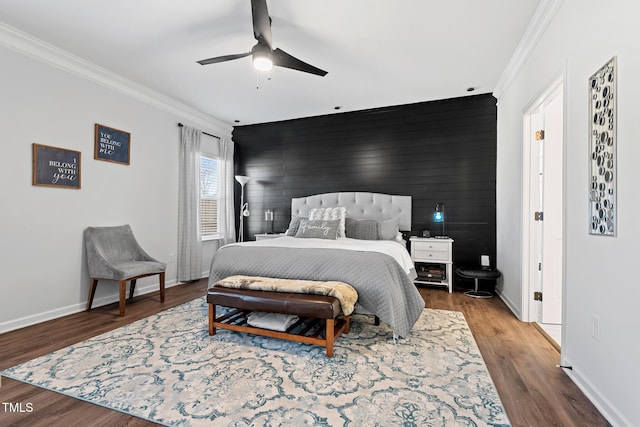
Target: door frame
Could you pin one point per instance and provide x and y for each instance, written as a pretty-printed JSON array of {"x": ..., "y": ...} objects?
[{"x": 530, "y": 311}]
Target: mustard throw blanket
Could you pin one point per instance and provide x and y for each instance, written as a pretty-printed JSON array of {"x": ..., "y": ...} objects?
[{"x": 345, "y": 293}]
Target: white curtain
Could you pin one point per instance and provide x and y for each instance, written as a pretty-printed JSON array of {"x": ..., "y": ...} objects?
[
  {"x": 189, "y": 236},
  {"x": 226, "y": 212}
]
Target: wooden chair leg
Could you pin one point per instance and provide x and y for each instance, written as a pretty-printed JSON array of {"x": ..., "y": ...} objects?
[
  {"x": 92, "y": 293},
  {"x": 162, "y": 287},
  {"x": 132, "y": 288},
  {"x": 347, "y": 327},
  {"x": 123, "y": 294}
]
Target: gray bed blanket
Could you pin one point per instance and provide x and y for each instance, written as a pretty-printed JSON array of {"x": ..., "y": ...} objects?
[{"x": 384, "y": 289}]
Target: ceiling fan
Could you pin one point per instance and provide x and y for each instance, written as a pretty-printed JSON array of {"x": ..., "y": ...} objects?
[{"x": 264, "y": 56}]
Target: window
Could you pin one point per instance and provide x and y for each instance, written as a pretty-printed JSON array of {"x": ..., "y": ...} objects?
[{"x": 209, "y": 197}]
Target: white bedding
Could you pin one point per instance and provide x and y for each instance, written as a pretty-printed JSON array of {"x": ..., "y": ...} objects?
[{"x": 389, "y": 247}]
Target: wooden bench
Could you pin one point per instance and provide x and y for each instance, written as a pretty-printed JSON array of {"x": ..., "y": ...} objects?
[{"x": 321, "y": 319}]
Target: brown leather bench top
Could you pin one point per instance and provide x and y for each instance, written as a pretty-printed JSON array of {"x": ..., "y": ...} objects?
[{"x": 306, "y": 305}]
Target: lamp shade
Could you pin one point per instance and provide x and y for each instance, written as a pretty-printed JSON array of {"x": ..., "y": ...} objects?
[
  {"x": 438, "y": 213},
  {"x": 438, "y": 217},
  {"x": 242, "y": 179}
]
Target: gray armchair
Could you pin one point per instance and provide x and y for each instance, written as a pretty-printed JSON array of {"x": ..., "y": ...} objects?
[{"x": 114, "y": 254}]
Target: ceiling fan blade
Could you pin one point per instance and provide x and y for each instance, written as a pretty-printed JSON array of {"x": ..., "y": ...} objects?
[
  {"x": 261, "y": 21},
  {"x": 223, "y": 58},
  {"x": 262, "y": 33},
  {"x": 283, "y": 59}
]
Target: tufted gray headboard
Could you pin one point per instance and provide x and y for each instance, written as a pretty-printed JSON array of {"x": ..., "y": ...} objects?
[{"x": 380, "y": 207}]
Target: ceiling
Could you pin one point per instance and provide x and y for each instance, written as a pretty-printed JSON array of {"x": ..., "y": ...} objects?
[{"x": 378, "y": 53}]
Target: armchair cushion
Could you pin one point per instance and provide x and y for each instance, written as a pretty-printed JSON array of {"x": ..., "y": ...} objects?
[{"x": 129, "y": 269}]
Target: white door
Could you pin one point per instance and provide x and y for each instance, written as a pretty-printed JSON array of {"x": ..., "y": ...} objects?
[
  {"x": 552, "y": 208},
  {"x": 544, "y": 189}
]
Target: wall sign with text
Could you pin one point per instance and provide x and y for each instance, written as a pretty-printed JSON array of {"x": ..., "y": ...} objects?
[
  {"x": 56, "y": 167},
  {"x": 112, "y": 145}
]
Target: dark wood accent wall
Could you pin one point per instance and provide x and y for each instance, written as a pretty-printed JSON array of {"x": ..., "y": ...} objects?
[{"x": 441, "y": 151}]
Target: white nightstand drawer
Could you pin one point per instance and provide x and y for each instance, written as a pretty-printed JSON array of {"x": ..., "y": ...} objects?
[
  {"x": 431, "y": 246},
  {"x": 440, "y": 255}
]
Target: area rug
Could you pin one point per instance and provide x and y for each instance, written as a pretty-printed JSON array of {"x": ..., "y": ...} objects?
[{"x": 167, "y": 369}]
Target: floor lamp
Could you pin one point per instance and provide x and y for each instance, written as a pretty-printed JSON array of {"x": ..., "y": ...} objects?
[{"x": 244, "y": 207}]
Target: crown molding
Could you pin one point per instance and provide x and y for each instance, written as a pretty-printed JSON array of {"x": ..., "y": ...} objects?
[
  {"x": 42, "y": 51},
  {"x": 544, "y": 14}
]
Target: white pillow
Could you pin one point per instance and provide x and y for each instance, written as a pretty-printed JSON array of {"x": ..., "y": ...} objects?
[{"x": 331, "y": 214}]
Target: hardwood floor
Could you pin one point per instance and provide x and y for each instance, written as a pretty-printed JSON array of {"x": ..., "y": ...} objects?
[{"x": 521, "y": 362}]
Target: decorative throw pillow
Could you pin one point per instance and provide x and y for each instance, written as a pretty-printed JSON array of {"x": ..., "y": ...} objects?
[
  {"x": 331, "y": 214},
  {"x": 318, "y": 228},
  {"x": 293, "y": 225},
  {"x": 363, "y": 229},
  {"x": 388, "y": 230}
]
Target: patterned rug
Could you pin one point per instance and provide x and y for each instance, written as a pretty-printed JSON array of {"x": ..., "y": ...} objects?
[{"x": 167, "y": 369}]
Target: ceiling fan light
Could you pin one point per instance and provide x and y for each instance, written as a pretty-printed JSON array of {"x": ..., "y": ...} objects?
[{"x": 262, "y": 62}]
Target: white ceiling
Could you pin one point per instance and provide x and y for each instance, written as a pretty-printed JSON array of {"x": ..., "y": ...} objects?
[{"x": 377, "y": 52}]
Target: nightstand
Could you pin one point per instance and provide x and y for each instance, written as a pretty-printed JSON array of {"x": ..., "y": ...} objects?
[
  {"x": 265, "y": 236},
  {"x": 433, "y": 259}
]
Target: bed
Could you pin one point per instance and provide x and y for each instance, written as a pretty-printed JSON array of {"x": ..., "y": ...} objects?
[{"x": 379, "y": 269}]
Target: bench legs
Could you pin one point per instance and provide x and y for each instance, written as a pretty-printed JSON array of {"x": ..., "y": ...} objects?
[
  {"x": 212, "y": 318},
  {"x": 330, "y": 331}
]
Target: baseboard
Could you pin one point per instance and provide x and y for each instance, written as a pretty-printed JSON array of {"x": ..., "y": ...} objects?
[
  {"x": 598, "y": 399},
  {"x": 509, "y": 304},
  {"x": 546, "y": 336},
  {"x": 33, "y": 319}
]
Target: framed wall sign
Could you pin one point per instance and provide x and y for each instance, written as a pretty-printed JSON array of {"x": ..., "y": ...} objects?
[
  {"x": 56, "y": 167},
  {"x": 111, "y": 145},
  {"x": 602, "y": 154}
]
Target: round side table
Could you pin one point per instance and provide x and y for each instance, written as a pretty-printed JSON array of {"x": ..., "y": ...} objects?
[{"x": 478, "y": 274}]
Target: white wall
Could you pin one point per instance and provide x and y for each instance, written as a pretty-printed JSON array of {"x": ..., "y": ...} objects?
[
  {"x": 600, "y": 276},
  {"x": 41, "y": 246}
]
